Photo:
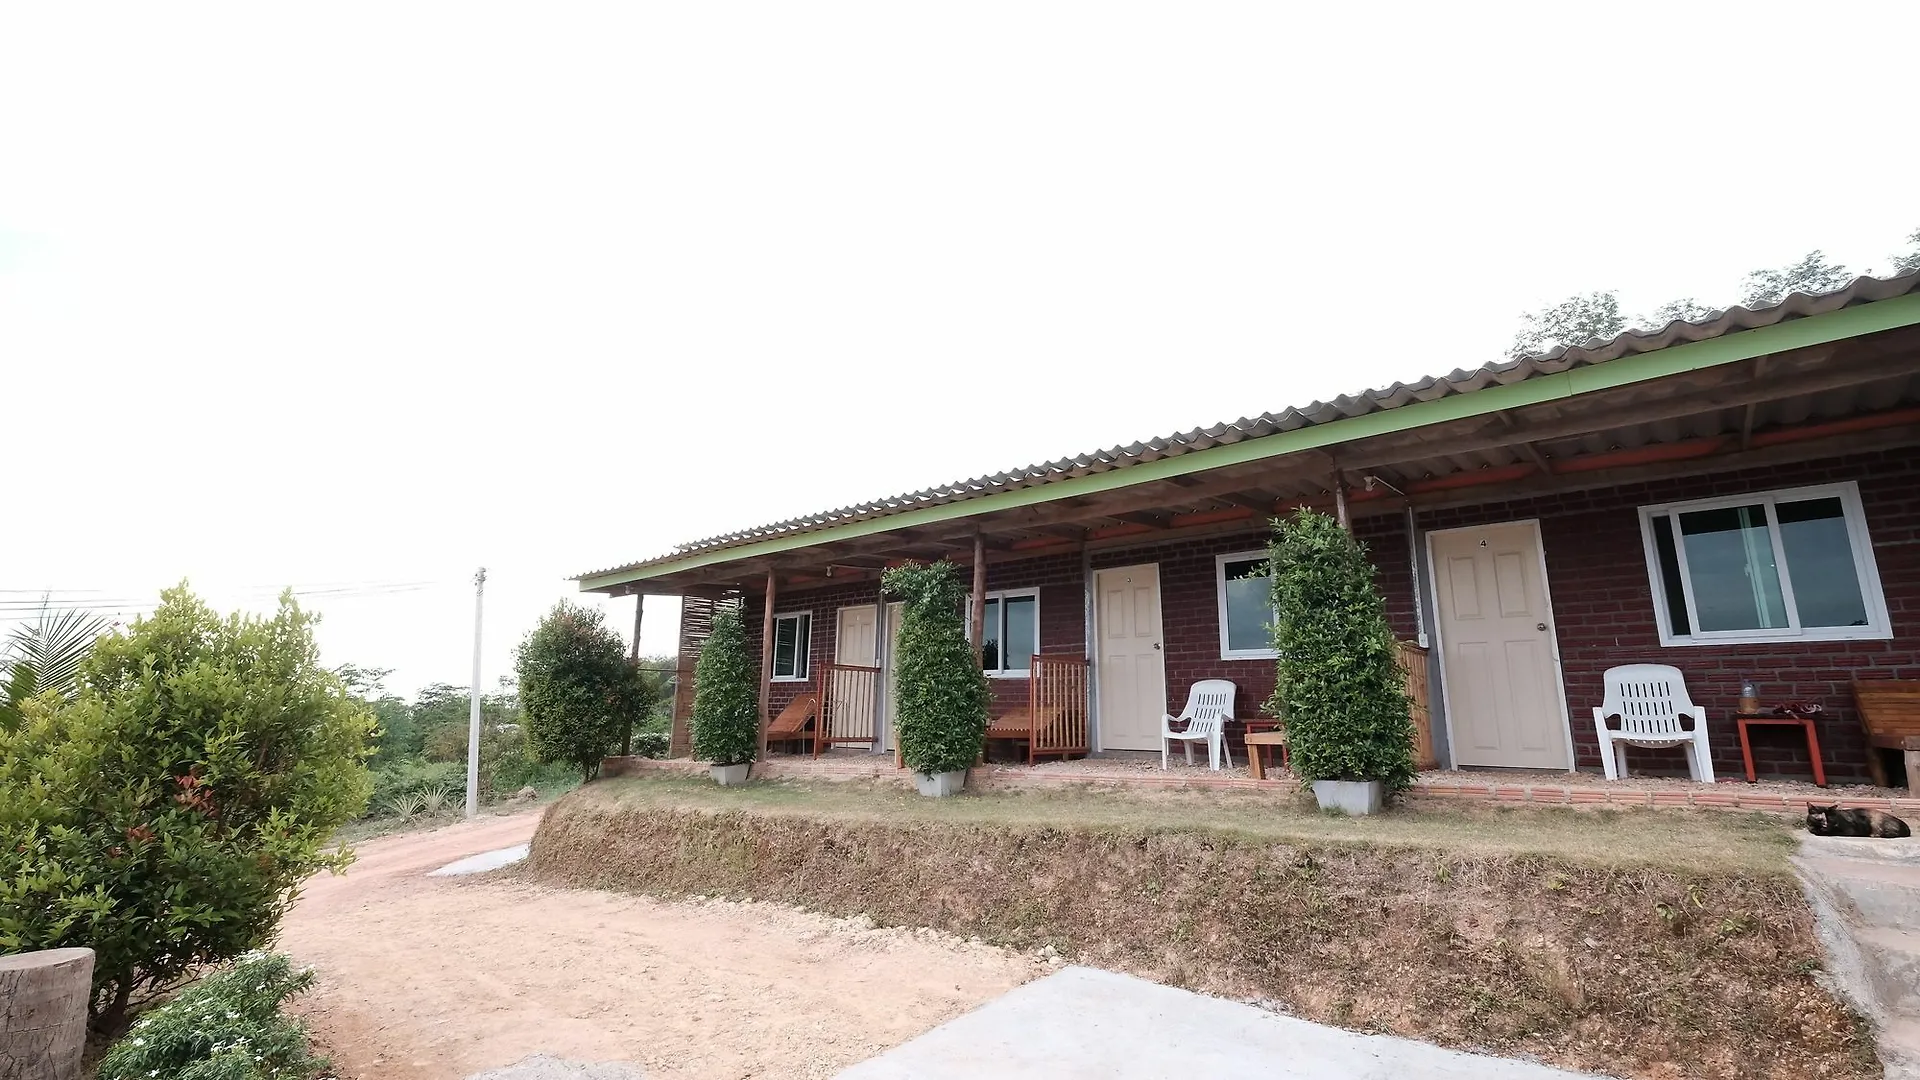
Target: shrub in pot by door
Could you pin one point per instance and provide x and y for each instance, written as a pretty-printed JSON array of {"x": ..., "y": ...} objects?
[
  {"x": 1349, "y": 721},
  {"x": 726, "y": 701},
  {"x": 940, "y": 693}
]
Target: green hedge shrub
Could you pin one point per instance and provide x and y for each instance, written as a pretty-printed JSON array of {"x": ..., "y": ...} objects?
[
  {"x": 578, "y": 690},
  {"x": 940, "y": 693},
  {"x": 227, "y": 1026},
  {"x": 726, "y": 695},
  {"x": 1338, "y": 684},
  {"x": 167, "y": 815},
  {"x": 653, "y": 744}
]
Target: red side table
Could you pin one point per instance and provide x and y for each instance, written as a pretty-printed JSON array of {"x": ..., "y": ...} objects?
[{"x": 1782, "y": 718}]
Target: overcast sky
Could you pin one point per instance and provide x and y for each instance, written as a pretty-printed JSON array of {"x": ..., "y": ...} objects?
[{"x": 359, "y": 297}]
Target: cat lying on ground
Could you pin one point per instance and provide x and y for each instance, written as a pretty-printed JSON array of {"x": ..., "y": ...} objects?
[{"x": 1833, "y": 821}]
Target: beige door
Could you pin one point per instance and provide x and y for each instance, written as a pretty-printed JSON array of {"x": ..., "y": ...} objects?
[
  {"x": 1131, "y": 664},
  {"x": 854, "y": 643},
  {"x": 1499, "y": 660}
]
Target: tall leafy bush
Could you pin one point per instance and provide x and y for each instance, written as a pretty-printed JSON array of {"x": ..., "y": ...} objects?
[
  {"x": 940, "y": 694},
  {"x": 166, "y": 816},
  {"x": 726, "y": 695},
  {"x": 1339, "y": 687},
  {"x": 577, "y": 688}
]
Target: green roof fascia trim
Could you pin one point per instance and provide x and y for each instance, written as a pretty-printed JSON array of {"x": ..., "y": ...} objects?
[{"x": 1849, "y": 322}]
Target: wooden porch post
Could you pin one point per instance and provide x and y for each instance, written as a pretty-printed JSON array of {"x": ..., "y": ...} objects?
[
  {"x": 979, "y": 594},
  {"x": 881, "y": 643},
  {"x": 639, "y": 609},
  {"x": 766, "y": 663},
  {"x": 1340, "y": 501}
]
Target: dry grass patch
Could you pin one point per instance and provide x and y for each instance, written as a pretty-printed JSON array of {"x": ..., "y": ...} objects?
[
  {"x": 1650, "y": 943},
  {"x": 1704, "y": 839}
]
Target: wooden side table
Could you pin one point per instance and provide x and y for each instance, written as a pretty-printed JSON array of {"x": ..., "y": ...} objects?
[
  {"x": 1788, "y": 719},
  {"x": 1258, "y": 739}
]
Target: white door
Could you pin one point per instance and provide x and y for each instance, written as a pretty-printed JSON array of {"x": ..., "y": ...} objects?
[
  {"x": 1499, "y": 661},
  {"x": 854, "y": 643},
  {"x": 1132, "y": 666}
]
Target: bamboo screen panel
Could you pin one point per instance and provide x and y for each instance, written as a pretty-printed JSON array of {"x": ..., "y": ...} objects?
[
  {"x": 847, "y": 714},
  {"x": 1413, "y": 664},
  {"x": 1057, "y": 697}
]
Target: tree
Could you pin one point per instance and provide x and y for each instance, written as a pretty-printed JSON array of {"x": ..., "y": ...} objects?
[
  {"x": 1812, "y": 275},
  {"x": 1338, "y": 683},
  {"x": 726, "y": 695},
  {"x": 577, "y": 688},
  {"x": 940, "y": 693},
  {"x": 166, "y": 816},
  {"x": 46, "y": 658},
  {"x": 1685, "y": 309},
  {"x": 1908, "y": 261},
  {"x": 1572, "y": 322}
]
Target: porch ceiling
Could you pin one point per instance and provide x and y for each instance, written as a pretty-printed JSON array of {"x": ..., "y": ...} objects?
[{"x": 1832, "y": 396}]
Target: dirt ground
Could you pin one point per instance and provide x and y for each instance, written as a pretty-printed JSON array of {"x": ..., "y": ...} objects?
[{"x": 438, "y": 978}]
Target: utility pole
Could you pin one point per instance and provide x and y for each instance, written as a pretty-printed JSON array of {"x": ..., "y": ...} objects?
[{"x": 473, "y": 710}]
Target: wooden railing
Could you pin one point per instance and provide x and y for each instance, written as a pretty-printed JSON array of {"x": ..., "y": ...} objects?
[
  {"x": 847, "y": 708},
  {"x": 1413, "y": 665},
  {"x": 1057, "y": 706}
]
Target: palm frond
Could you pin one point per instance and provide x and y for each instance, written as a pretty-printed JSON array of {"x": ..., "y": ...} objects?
[{"x": 47, "y": 655}]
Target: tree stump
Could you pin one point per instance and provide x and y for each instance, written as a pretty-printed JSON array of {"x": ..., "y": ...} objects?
[{"x": 43, "y": 1013}]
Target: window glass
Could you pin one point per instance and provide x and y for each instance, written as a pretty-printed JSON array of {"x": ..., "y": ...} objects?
[
  {"x": 1826, "y": 583},
  {"x": 1249, "y": 605},
  {"x": 1736, "y": 585},
  {"x": 1022, "y": 635},
  {"x": 1675, "y": 593},
  {"x": 790, "y": 646},
  {"x": 990, "y": 638}
]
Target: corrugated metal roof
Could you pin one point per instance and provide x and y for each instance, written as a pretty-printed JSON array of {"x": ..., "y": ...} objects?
[{"x": 1632, "y": 342}]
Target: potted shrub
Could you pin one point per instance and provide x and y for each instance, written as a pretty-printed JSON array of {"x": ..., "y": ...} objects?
[
  {"x": 1349, "y": 722},
  {"x": 726, "y": 701},
  {"x": 940, "y": 694}
]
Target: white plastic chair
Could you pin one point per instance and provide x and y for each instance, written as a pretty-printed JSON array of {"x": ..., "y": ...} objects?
[
  {"x": 1650, "y": 699},
  {"x": 1209, "y": 708}
]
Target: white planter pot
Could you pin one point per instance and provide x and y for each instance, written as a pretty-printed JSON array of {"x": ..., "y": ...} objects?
[
  {"x": 940, "y": 785},
  {"x": 725, "y": 775},
  {"x": 1350, "y": 796}
]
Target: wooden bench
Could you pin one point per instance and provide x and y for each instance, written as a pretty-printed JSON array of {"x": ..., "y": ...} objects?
[
  {"x": 796, "y": 722},
  {"x": 1890, "y": 718}
]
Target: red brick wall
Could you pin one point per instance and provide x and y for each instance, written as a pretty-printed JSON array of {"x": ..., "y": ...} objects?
[
  {"x": 1190, "y": 608},
  {"x": 825, "y": 604},
  {"x": 1603, "y": 611}
]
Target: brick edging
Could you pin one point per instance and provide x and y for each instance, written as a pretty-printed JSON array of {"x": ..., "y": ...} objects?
[{"x": 1015, "y": 777}]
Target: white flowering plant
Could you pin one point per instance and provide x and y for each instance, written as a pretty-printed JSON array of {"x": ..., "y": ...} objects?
[{"x": 227, "y": 1026}]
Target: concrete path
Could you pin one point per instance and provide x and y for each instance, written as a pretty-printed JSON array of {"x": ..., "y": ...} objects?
[
  {"x": 1866, "y": 904},
  {"x": 1083, "y": 1022},
  {"x": 483, "y": 862}
]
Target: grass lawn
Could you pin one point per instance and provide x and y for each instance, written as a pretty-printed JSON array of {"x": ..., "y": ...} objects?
[{"x": 1701, "y": 840}]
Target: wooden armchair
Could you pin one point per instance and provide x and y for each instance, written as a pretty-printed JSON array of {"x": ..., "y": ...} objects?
[{"x": 798, "y": 722}]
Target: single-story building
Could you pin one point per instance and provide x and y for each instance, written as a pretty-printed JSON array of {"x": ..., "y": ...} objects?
[{"x": 1738, "y": 498}]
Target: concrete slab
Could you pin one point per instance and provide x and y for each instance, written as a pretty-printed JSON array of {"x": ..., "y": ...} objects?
[
  {"x": 483, "y": 862},
  {"x": 1083, "y": 1022}
]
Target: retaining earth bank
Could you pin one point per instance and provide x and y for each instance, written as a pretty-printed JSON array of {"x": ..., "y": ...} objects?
[{"x": 1644, "y": 971}]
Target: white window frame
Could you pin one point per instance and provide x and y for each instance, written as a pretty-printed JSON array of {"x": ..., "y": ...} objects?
[
  {"x": 1002, "y": 594},
  {"x": 1879, "y": 626},
  {"x": 1220, "y": 601},
  {"x": 800, "y": 657}
]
